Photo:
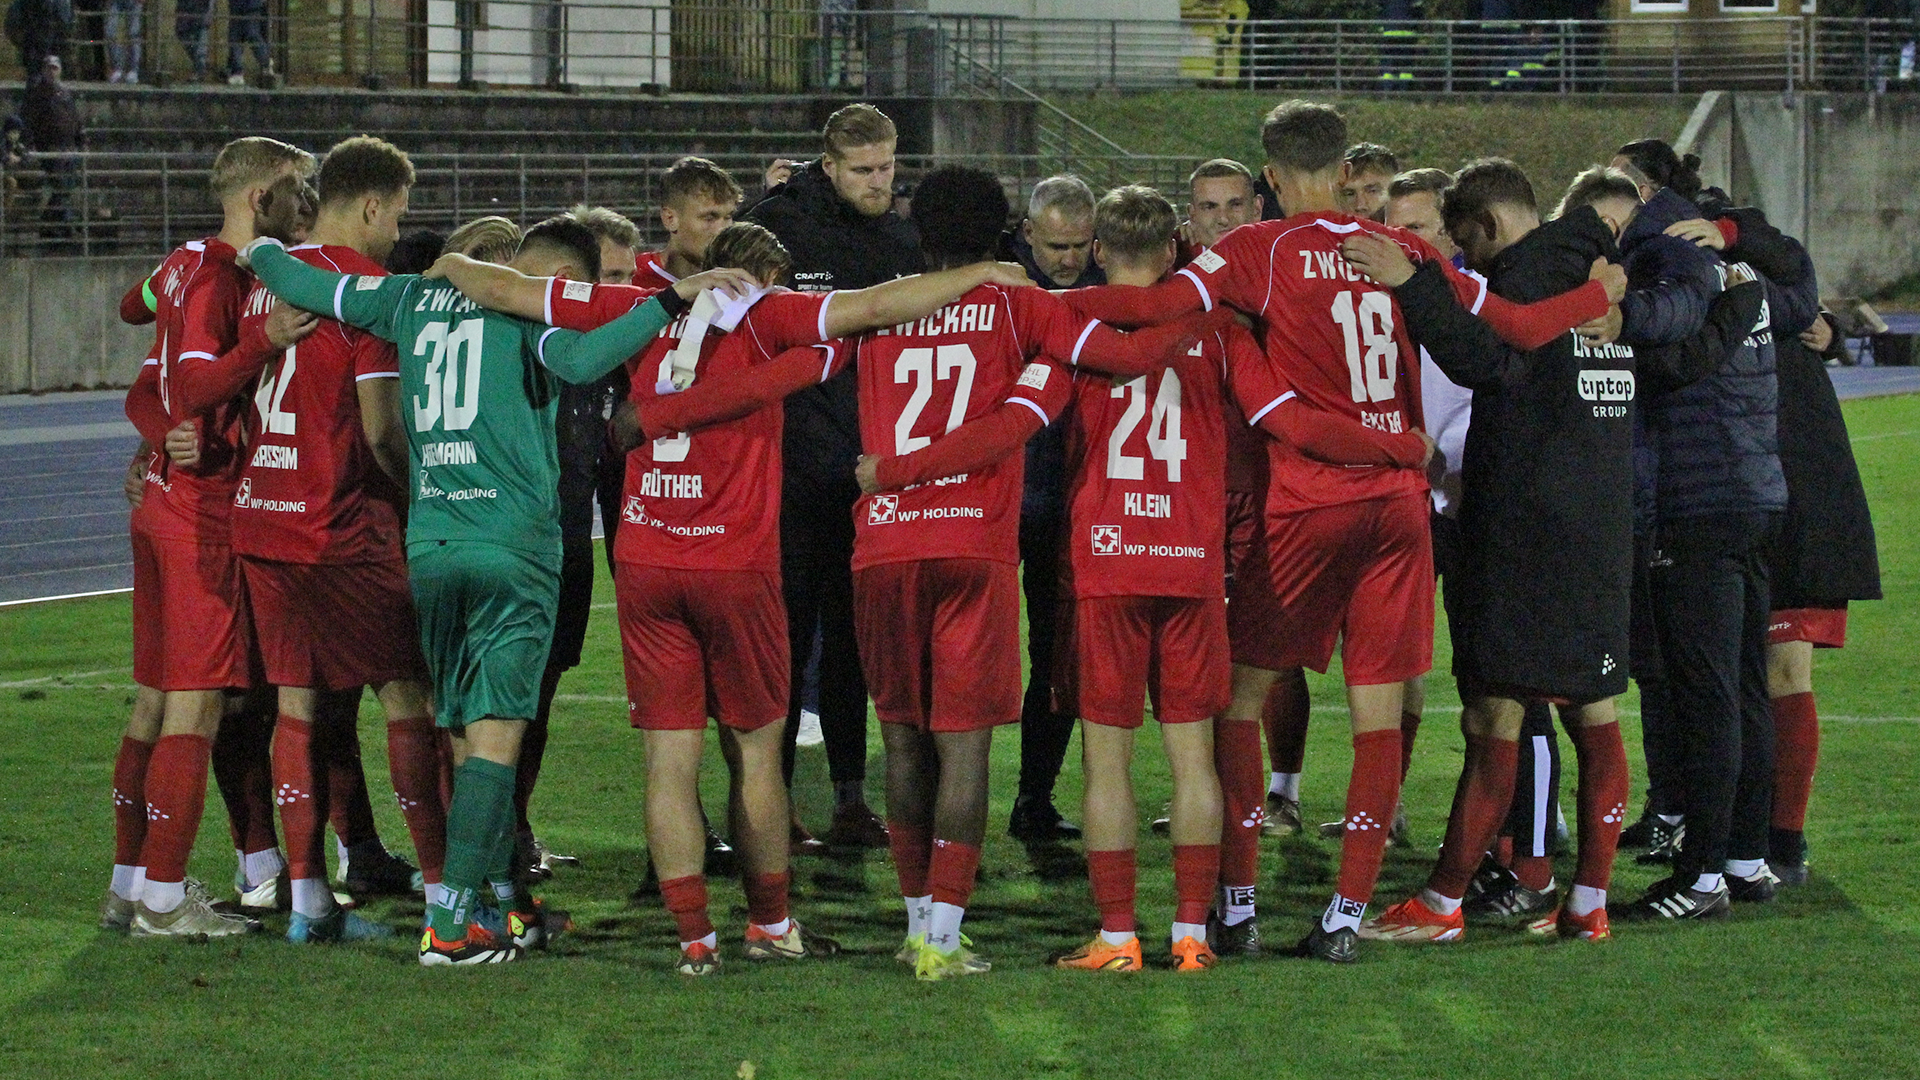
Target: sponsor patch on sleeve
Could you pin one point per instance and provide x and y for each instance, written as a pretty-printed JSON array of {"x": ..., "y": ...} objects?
[
  {"x": 577, "y": 290},
  {"x": 1209, "y": 261},
  {"x": 365, "y": 283},
  {"x": 1035, "y": 377}
]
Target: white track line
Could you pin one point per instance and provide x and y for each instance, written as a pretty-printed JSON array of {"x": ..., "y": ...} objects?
[
  {"x": 1883, "y": 435},
  {"x": 67, "y": 596},
  {"x": 62, "y": 678}
]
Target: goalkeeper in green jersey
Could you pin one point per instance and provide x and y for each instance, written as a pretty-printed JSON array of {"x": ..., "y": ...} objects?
[{"x": 483, "y": 531}]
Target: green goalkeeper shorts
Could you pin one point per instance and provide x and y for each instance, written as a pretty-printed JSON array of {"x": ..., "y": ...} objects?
[{"x": 486, "y": 624}]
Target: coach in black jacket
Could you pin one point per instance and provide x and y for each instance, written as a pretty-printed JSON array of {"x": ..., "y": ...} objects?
[
  {"x": 1718, "y": 493},
  {"x": 1545, "y": 526},
  {"x": 835, "y": 216},
  {"x": 1824, "y": 553}
]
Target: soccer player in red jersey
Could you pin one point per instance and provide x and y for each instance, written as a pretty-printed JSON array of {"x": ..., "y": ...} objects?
[
  {"x": 697, "y": 200},
  {"x": 191, "y": 626},
  {"x": 317, "y": 523},
  {"x": 1349, "y": 548},
  {"x": 697, "y": 559}
]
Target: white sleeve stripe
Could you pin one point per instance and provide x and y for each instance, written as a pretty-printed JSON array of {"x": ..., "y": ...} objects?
[
  {"x": 540, "y": 347},
  {"x": 150, "y": 362},
  {"x": 1206, "y": 298},
  {"x": 547, "y": 301},
  {"x": 1037, "y": 410},
  {"x": 1480, "y": 299},
  {"x": 1254, "y": 420},
  {"x": 826, "y": 369},
  {"x": 198, "y": 355},
  {"x": 823, "y": 317},
  {"x": 376, "y": 375},
  {"x": 339, "y": 295},
  {"x": 1081, "y": 343}
]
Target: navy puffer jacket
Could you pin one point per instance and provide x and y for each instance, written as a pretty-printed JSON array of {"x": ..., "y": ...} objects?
[{"x": 1714, "y": 444}]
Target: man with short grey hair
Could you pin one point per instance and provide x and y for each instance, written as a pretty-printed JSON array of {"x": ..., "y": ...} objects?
[{"x": 1055, "y": 244}]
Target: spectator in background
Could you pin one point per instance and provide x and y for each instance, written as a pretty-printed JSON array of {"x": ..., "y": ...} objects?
[
  {"x": 247, "y": 25},
  {"x": 54, "y": 133},
  {"x": 126, "y": 22},
  {"x": 1055, "y": 243},
  {"x": 191, "y": 22},
  {"x": 39, "y": 29}
]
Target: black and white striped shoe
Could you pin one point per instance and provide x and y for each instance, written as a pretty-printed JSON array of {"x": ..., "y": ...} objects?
[
  {"x": 1757, "y": 889},
  {"x": 1668, "y": 899}
]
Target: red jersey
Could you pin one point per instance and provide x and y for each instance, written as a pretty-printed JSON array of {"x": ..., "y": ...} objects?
[
  {"x": 923, "y": 379},
  {"x": 200, "y": 292},
  {"x": 1146, "y": 461},
  {"x": 707, "y": 499},
  {"x": 1330, "y": 335},
  {"x": 311, "y": 491},
  {"x": 651, "y": 271}
]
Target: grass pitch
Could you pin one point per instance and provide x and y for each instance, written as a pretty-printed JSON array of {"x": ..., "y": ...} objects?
[{"x": 1820, "y": 983}]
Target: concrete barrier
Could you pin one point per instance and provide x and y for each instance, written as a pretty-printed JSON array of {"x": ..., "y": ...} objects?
[
  {"x": 61, "y": 328},
  {"x": 1837, "y": 170}
]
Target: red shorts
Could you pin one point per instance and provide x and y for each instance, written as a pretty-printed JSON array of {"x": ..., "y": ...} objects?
[
  {"x": 1826, "y": 627},
  {"x": 190, "y": 624},
  {"x": 1173, "y": 648},
  {"x": 939, "y": 642},
  {"x": 1243, "y": 526},
  {"x": 700, "y": 643},
  {"x": 1360, "y": 574},
  {"x": 1254, "y": 629},
  {"x": 334, "y": 626}
]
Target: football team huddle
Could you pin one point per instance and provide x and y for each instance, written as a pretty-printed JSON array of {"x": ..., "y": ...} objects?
[{"x": 1282, "y": 417}]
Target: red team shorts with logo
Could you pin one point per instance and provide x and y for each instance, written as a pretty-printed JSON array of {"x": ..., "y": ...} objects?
[
  {"x": 190, "y": 622},
  {"x": 1360, "y": 575},
  {"x": 1170, "y": 648},
  {"x": 1825, "y": 627},
  {"x": 939, "y": 642},
  {"x": 334, "y": 626},
  {"x": 701, "y": 643}
]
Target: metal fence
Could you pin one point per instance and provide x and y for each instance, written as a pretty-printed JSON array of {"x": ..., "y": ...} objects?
[
  {"x": 148, "y": 203},
  {"x": 794, "y": 46}
]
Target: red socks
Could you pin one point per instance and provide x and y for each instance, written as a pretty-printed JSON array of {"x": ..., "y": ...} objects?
[
  {"x": 301, "y": 791},
  {"x": 1114, "y": 875},
  {"x": 766, "y": 898},
  {"x": 951, "y": 871},
  {"x": 130, "y": 800},
  {"x": 1480, "y": 806},
  {"x": 912, "y": 848},
  {"x": 1602, "y": 801},
  {"x": 1534, "y": 871},
  {"x": 686, "y": 898},
  {"x": 1409, "y": 727},
  {"x": 1796, "y": 751},
  {"x": 1196, "y": 874},
  {"x": 1236, "y": 756},
  {"x": 1285, "y": 717},
  {"x": 413, "y": 759},
  {"x": 176, "y": 793},
  {"x": 1372, "y": 792}
]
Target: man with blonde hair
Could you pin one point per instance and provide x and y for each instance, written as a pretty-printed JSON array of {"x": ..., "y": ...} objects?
[{"x": 191, "y": 629}]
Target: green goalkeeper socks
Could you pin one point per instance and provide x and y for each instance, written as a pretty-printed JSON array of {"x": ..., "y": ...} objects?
[{"x": 481, "y": 814}]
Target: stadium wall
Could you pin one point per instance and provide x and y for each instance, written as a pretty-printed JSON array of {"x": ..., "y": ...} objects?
[{"x": 60, "y": 329}]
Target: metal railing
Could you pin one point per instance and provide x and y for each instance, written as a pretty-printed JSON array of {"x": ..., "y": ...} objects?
[
  {"x": 793, "y": 46},
  {"x": 126, "y": 203}
]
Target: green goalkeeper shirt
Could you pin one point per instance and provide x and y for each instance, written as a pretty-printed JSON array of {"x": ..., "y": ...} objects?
[{"x": 478, "y": 394}]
